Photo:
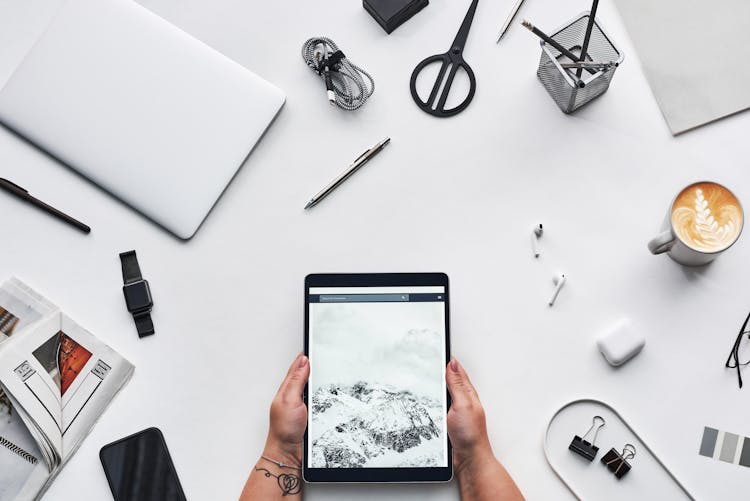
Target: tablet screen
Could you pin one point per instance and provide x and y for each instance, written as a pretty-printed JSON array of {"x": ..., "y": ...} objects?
[{"x": 377, "y": 394}]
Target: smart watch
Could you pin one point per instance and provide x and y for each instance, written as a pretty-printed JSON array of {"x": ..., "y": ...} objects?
[{"x": 137, "y": 294}]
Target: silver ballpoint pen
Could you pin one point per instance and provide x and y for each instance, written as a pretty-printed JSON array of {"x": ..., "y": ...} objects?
[
  {"x": 354, "y": 167},
  {"x": 511, "y": 16}
]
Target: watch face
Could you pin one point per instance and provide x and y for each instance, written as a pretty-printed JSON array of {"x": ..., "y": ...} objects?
[{"x": 138, "y": 296}]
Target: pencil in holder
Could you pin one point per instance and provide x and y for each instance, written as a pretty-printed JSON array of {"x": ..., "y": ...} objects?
[{"x": 572, "y": 87}]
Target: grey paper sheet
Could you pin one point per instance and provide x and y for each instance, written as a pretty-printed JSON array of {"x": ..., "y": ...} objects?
[
  {"x": 695, "y": 56},
  {"x": 709, "y": 442}
]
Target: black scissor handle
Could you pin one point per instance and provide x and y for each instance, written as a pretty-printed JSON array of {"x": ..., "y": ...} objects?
[{"x": 455, "y": 62}]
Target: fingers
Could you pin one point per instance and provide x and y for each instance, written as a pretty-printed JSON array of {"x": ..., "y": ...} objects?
[
  {"x": 296, "y": 378},
  {"x": 459, "y": 385}
]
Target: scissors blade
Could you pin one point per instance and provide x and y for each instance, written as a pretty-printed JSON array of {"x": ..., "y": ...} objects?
[{"x": 463, "y": 31}]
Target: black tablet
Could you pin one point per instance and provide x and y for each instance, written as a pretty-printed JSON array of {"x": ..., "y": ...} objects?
[{"x": 377, "y": 400}]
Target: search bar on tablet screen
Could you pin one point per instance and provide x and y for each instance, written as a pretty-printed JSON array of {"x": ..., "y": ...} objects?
[{"x": 363, "y": 298}]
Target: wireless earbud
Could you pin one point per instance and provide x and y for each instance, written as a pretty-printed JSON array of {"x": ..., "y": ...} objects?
[
  {"x": 535, "y": 236},
  {"x": 558, "y": 280}
]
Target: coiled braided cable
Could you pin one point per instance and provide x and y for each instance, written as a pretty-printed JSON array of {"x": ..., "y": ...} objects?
[
  {"x": 349, "y": 86},
  {"x": 17, "y": 450}
]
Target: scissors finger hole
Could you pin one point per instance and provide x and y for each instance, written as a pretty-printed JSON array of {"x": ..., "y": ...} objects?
[
  {"x": 426, "y": 80},
  {"x": 459, "y": 89}
]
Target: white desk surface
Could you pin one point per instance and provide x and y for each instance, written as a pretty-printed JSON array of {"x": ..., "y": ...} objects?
[{"x": 456, "y": 195}]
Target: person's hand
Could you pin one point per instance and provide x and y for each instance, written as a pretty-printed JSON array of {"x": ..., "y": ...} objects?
[
  {"x": 467, "y": 427},
  {"x": 480, "y": 476},
  {"x": 289, "y": 416}
]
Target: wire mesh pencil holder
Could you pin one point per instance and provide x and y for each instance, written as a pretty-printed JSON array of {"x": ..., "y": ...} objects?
[{"x": 569, "y": 90}]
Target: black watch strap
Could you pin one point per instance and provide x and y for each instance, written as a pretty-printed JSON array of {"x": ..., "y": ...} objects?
[
  {"x": 131, "y": 272},
  {"x": 144, "y": 325}
]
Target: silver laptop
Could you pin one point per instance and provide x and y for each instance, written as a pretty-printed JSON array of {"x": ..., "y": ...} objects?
[{"x": 144, "y": 110}]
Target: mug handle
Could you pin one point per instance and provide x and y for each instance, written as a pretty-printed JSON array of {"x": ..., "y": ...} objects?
[{"x": 662, "y": 242}]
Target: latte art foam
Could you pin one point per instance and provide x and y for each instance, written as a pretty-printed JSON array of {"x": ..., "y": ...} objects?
[{"x": 707, "y": 217}]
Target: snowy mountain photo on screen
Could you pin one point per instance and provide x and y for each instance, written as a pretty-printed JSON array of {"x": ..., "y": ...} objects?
[{"x": 377, "y": 390}]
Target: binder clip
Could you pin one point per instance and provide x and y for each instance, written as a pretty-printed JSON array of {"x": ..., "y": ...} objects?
[
  {"x": 582, "y": 447},
  {"x": 617, "y": 462}
]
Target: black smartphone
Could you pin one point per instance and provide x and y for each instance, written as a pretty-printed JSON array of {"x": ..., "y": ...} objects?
[{"x": 139, "y": 468}]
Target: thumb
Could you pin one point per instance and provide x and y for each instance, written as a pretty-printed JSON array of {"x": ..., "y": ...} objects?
[
  {"x": 294, "y": 383},
  {"x": 459, "y": 385}
]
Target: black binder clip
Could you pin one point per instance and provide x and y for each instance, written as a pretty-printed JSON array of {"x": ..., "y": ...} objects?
[
  {"x": 582, "y": 447},
  {"x": 618, "y": 462}
]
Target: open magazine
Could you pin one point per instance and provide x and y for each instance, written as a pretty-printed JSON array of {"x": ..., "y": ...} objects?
[{"x": 56, "y": 379}]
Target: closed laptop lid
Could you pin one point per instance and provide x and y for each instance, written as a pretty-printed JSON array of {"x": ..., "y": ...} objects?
[{"x": 154, "y": 116}]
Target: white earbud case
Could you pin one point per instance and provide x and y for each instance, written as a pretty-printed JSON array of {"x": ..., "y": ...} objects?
[{"x": 620, "y": 342}]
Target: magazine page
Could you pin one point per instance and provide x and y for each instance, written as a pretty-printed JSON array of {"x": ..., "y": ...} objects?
[
  {"x": 26, "y": 457},
  {"x": 31, "y": 430},
  {"x": 23, "y": 470},
  {"x": 29, "y": 373},
  {"x": 91, "y": 374},
  {"x": 59, "y": 379},
  {"x": 42, "y": 441},
  {"x": 19, "y": 308}
]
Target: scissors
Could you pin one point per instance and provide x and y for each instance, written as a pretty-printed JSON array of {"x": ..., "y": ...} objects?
[{"x": 454, "y": 60}]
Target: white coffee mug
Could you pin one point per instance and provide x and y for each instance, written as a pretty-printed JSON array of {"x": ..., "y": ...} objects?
[{"x": 715, "y": 227}]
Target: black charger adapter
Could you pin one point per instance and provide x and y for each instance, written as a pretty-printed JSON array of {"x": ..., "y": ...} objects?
[{"x": 390, "y": 14}]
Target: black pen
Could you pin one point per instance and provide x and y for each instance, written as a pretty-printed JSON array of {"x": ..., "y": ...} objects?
[
  {"x": 554, "y": 43},
  {"x": 24, "y": 195},
  {"x": 587, "y": 36}
]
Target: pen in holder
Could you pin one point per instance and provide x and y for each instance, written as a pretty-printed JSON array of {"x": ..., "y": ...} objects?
[{"x": 559, "y": 74}]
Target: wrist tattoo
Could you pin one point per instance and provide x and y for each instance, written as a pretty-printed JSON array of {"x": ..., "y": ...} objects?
[{"x": 288, "y": 483}]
